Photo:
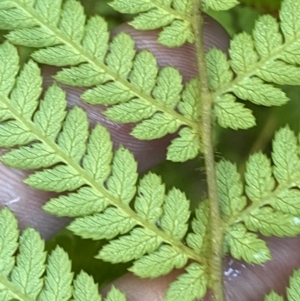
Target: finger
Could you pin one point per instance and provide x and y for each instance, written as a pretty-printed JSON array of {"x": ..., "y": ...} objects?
[
  {"x": 242, "y": 281},
  {"x": 26, "y": 202}
]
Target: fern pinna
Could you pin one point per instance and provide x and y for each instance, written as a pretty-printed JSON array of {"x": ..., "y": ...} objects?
[{"x": 145, "y": 223}]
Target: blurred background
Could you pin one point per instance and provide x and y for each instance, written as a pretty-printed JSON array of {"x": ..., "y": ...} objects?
[{"x": 231, "y": 145}]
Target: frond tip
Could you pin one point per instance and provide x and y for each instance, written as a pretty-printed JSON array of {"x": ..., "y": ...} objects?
[{"x": 26, "y": 276}]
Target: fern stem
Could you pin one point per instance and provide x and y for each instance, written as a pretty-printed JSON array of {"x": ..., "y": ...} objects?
[{"x": 216, "y": 236}]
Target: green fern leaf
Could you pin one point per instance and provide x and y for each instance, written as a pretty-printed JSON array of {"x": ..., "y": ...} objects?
[
  {"x": 176, "y": 214},
  {"x": 259, "y": 179},
  {"x": 30, "y": 157},
  {"x": 267, "y": 57},
  {"x": 173, "y": 16},
  {"x": 122, "y": 182},
  {"x": 9, "y": 67},
  {"x": 285, "y": 156},
  {"x": 151, "y": 196},
  {"x": 96, "y": 37},
  {"x": 242, "y": 53},
  {"x": 74, "y": 134},
  {"x": 82, "y": 76},
  {"x": 102, "y": 188},
  {"x": 218, "y": 68},
  {"x": 8, "y": 241},
  {"x": 30, "y": 264},
  {"x": 49, "y": 10},
  {"x": 83, "y": 202},
  {"x": 57, "y": 179},
  {"x": 262, "y": 94},
  {"x": 247, "y": 246},
  {"x": 288, "y": 201},
  {"x": 293, "y": 290},
  {"x": 58, "y": 277},
  {"x": 233, "y": 114},
  {"x": 199, "y": 240},
  {"x": 58, "y": 56},
  {"x": 156, "y": 127},
  {"x": 27, "y": 91},
  {"x": 72, "y": 20},
  {"x": 230, "y": 189},
  {"x": 266, "y": 36},
  {"x": 99, "y": 154},
  {"x": 158, "y": 263},
  {"x": 186, "y": 146},
  {"x": 273, "y": 223},
  {"x": 190, "y": 105},
  {"x": 131, "y": 111},
  {"x": 288, "y": 16},
  {"x": 111, "y": 222},
  {"x": 115, "y": 295},
  {"x": 129, "y": 82},
  {"x": 85, "y": 288},
  {"x": 189, "y": 286},
  {"x": 168, "y": 87},
  {"x": 130, "y": 247}
]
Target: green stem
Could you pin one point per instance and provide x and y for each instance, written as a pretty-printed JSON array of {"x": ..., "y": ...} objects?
[{"x": 215, "y": 259}]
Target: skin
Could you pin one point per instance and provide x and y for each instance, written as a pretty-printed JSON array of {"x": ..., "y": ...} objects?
[{"x": 242, "y": 281}]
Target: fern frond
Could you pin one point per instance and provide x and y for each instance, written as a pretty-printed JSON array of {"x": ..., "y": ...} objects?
[
  {"x": 129, "y": 83},
  {"x": 272, "y": 191},
  {"x": 99, "y": 187},
  {"x": 270, "y": 56},
  {"x": 174, "y": 16},
  {"x": 22, "y": 276}
]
